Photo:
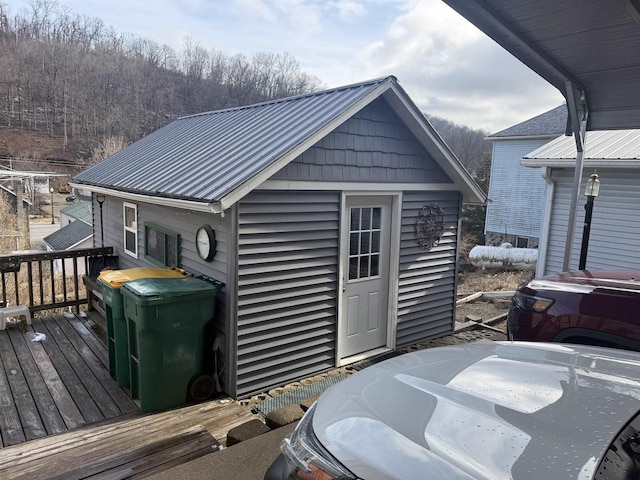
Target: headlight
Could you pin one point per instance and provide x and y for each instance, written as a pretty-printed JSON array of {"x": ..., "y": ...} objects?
[
  {"x": 531, "y": 303},
  {"x": 306, "y": 458}
]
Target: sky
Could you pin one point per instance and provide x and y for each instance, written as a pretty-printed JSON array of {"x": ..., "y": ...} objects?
[{"x": 446, "y": 65}]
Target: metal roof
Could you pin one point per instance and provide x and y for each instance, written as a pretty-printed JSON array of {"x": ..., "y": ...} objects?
[
  {"x": 547, "y": 124},
  {"x": 221, "y": 156},
  {"x": 613, "y": 148},
  {"x": 576, "y": 45},
  {"x": 80, "y": 210},
  {"x": 69, "y": 236}
]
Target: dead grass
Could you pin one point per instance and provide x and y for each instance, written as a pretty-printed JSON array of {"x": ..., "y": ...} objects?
[{"x": 491, "y": 280}]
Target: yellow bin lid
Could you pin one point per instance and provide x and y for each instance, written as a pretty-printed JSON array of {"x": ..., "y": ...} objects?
[{"x": 115, "y": 278}]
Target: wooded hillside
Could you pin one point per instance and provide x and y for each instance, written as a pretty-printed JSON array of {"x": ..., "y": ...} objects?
[{"x": 73, "y": 77}]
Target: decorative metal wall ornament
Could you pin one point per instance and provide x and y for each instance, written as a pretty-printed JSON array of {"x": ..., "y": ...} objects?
[{"x": 430, "y": 226}]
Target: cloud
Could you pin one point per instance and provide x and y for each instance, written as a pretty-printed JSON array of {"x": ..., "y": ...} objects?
[
  {"x": 348, "y": 9},
  {"x": 453, "y": 70}
]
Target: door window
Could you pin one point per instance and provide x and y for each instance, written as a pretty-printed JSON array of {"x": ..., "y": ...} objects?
[{"x": 364, "y": 242}]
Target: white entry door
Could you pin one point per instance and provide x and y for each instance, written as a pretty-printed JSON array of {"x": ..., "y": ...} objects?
[{"x": 366, "y": 274}]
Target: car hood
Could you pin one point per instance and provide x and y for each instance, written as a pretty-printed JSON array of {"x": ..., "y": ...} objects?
[
  {"x": 585, "y": 281},
  {"x": 551, "y": 412}
]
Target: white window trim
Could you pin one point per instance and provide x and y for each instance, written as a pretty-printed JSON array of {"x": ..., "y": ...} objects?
[{"x": 126, "y": 229}]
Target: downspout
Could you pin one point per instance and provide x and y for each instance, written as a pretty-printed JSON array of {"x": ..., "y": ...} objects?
[{"x": 543, "y": 244}]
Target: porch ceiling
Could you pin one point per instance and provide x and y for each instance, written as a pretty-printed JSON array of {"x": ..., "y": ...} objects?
[{"x": 579, "y": 46}]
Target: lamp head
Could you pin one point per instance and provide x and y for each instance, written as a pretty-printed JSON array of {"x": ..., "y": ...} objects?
[
  {"x": 100, "y": 198},
  {"x": 593, "y": 185}
]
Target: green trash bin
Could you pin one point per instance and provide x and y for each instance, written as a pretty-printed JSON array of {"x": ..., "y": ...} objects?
[
  {"x": 166, "y": 319},
  {"x": 110, "y": 282}
]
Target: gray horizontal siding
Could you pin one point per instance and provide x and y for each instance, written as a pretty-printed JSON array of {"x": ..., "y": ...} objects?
[
  {"x": 614, "y": 242},
  {"x": 183, "y": 222},
  {"x": 427, "y": 278},
  {"x": 287, "y": 283},
  {"x": 516, "y": 192},
  {"x": 372, "y": 146}
]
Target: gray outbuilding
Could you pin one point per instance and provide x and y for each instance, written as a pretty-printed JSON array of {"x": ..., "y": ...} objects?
[{"x": 336, "y": 224}]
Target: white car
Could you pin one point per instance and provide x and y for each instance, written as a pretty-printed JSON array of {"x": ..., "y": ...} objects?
[{"x": 495, "y": 410}]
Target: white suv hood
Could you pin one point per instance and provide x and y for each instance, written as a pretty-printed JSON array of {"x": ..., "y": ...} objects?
[{"x": 481, "y": 411}]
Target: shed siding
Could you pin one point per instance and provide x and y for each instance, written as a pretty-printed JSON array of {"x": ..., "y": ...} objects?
[
  {"x": 287, "y": 283},
  {"x": 614, "y": 242},
  {"x": 516, "y": 193},
  {"x": 183, "y": 222},
  {"x": 426, "y": 300},
  {"x": 372, "y": 146}
]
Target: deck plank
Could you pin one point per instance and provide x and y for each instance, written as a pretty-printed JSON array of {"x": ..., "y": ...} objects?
[
  {"x": 10, "y": 426},
  {"x": 117, "y": 394},
  {"x": 49, "y": 414},
  {"x": 33, "y": 460},
  {"x": 138, "y": 459},
  {"x": 27, "y": 411},
  {"x": 90, "y": 338},
  {"x": 83, "y": 400},
  {"x": 60, "y": 394},
  {"x": 107, "y": 406}
]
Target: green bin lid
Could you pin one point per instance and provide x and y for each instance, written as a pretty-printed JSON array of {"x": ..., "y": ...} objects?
[{"x": 169, "y": 287}]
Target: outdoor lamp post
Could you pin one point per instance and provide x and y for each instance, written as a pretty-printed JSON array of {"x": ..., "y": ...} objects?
[
  {"x": 51, "y": 191},
  {"x": 100, "y": 198},
  {"x": 592, "y": 190}
]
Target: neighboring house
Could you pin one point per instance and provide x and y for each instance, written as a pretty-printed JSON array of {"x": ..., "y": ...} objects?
[
  {"x": 315, "y": 211},
  {"x": 80, "y": 210},
  {"x": 614, "y": 242},
  {"x": 74, "y": 235},
  {"x": 76, "y": 231},
  {"x": 516, "y": 193}
]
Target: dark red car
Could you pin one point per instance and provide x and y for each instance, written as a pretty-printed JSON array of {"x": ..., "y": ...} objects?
[{"x": 593, "y": 308}]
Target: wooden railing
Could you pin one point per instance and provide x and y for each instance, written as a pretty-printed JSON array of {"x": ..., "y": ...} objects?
[{"x": 46, "y": 281}]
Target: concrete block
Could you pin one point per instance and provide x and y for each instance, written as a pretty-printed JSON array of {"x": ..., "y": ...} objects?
[
  {"x": 248, "y": 430},
  {"x": 306, "y": 403},
  {"x": 284, "y": 416}
]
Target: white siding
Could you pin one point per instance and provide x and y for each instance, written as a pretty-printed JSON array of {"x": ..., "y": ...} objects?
[
  {"x": 614, "y": 242},
  {"x": 516, "y": 193}
]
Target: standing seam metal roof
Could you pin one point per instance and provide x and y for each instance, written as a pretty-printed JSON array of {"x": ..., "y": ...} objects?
[
  {"x": 604, "y": 145},
  {"x": 203, "y": 157}
]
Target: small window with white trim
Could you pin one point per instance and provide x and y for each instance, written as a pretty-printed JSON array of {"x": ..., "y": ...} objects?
[{"x": 130, "y": 215}]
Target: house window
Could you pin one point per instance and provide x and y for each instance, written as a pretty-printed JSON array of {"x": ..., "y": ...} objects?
[
  {"x": 522, "y": 242},
  {"x": 130, "y": 215},
  {"x": 364, "y": 242},
  {"x": 161, "y": 246}
]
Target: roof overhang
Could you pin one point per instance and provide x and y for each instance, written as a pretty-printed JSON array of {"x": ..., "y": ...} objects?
[
  {"x": 587, "y": 163},
  {"x": 588, "y": 50},
  {"x": 208, "y": 207}
]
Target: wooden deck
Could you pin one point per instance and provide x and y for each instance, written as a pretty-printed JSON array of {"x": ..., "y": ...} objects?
[
  {"x": 62, "y": 416},
  {"x": 58, "y": 384}
]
